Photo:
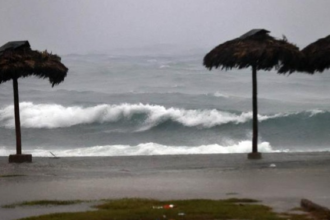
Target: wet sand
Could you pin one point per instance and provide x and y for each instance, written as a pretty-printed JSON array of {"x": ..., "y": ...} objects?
[{"x": 279, "y": 180}]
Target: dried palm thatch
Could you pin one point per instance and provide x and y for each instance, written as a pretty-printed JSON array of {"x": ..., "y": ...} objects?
[
  {"x": 18, "y": 60},
  {"x": 259, "y": 50},
  {"x": 317, "y": 55},
  {"x": 255, "y": 48}
]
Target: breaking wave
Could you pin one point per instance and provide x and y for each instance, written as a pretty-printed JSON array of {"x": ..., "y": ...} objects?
[
  {"x": 148, "y": 149},
  {"x": 142, "y": 116}
]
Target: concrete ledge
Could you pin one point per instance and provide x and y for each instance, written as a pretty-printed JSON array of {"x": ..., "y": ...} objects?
[
  {"x": 20, "y": 158},
  {"x": 254, "y": 156}
]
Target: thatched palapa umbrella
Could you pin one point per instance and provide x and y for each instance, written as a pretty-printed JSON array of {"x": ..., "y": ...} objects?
[
  {"x": 18, "y": 60},
  {"x": 260, "y": 51},
  {"x": 317, "y": 55}
]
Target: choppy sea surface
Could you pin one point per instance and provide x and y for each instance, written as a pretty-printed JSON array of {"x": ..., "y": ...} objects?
[{"x": 156, "y": 103}]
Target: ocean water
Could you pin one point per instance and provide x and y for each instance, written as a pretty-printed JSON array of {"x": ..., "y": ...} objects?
[{"x": 164, "y": 102}]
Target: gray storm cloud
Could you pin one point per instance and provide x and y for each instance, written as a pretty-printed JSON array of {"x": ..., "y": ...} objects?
[{"x": 101, "y": 25}]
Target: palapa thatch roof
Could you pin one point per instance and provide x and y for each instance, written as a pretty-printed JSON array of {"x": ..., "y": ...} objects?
[
  {"x": 317, "y": 55},
  {"x": 14, "y": 45},
  {"x": 258, "y": 48},
  {"x": 18, "y": 60}
]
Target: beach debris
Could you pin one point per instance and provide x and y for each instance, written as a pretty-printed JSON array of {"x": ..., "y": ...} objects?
[
  {"x": 181, "y": 214},
  {"x": 169, "y": 206},
  {"x": 54, "y": 156},
  {"x": 273, "y": 165},
  {"x": 157, "y": 207}
]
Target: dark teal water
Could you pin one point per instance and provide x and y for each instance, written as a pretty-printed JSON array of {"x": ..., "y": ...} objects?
[{"x": 161, "y": 103}]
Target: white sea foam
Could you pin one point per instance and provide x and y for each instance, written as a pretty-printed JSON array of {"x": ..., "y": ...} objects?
[
  {"x": 147, "y": 149},
  {"x": 315, "y": 112},
  {"x": 219, "y": 94},
  {"x": 57, "y": 116}
]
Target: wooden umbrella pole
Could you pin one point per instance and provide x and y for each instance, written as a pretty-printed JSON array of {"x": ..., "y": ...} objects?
[
  {"x": 254, "y": 110},
  {"x": 17, "y": 118}
]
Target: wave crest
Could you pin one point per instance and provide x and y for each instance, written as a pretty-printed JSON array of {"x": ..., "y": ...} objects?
[
  {"x": 149, "y": 149},
  {"x": 57, "y": 116},
  {"x": 141, "y": 116}
]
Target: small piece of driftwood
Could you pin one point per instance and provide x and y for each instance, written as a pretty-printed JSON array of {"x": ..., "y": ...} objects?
[{"x": 54, "y": 156}]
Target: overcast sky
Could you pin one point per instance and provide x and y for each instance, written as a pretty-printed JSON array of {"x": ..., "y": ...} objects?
[{"x": 82, "y": 26}]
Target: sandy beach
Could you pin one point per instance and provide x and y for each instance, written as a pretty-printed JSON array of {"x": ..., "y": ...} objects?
[{"x": 280, "y": 180}]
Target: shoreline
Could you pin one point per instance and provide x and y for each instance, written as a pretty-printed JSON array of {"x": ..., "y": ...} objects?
[
  {"x": 294, "y": 177},
  {"x": 310, "y": 152}
]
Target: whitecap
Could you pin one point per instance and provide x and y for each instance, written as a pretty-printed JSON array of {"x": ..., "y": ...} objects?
[
  {"x": 149, "y": 149},
  {"x": 58, "y": 116}
]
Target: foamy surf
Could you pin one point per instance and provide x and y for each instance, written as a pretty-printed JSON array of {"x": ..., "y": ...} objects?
[
  {"x": 147, "y": 149},
  {"x": 58, "y": 116}
]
